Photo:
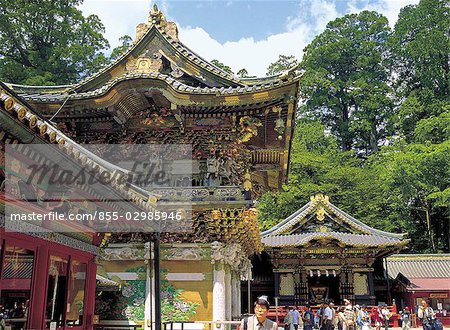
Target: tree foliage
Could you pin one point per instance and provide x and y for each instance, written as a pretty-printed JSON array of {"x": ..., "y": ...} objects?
[
  {"x": 363, "y": 83},
  {"x": 48, "y": 42},
  {"x": 222, "y": 66},
  {"x": 283, "y": 63},
  {"x": 126, "y": 42},
  {"x": 345, "y": 81}
]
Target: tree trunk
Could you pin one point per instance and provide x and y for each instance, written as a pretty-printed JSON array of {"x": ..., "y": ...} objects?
[{"x": 428, "y": 215}]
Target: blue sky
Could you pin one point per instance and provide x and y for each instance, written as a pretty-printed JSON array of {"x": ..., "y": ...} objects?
[{"x": 240, "y": 33}]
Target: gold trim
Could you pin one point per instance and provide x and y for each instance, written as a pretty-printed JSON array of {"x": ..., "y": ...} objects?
[
  {"x": 9, "y": 104},
  {"x": 33, "y": 121},
  {"x": 21, "y": 113},
  {"x": 43, "y": 129},
  {"x": 52, "y": 137}
]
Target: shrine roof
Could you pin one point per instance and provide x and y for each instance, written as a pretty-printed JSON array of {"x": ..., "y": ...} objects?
[
  {"x": 58, "y": 95},
  {"x": 319, "y": 219},
  {"x": 28, "y": 125},
  {"x": 160, "y": 38},
  {"x": 355, "y": 240},
  {"x": 415, "y": 266}
]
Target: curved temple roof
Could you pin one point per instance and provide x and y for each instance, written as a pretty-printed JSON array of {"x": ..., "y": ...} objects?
[
  {"x": 294, "y": 231},
  {"x": 155, "y": 41}
]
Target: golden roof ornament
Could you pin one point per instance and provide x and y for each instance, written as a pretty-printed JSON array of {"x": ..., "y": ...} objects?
[
  {"x": 319, "y": 197},
  {"x": 156, "y": 17}
]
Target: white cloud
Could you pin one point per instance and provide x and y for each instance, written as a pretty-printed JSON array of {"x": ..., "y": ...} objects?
[
  {"x": 120, "y": 17},
  {"x": 389, "y": 8},
  {"x": 253, "y": 55}
]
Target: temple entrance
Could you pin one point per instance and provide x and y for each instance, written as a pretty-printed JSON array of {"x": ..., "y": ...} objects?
[{"x": 322, "y": 287}]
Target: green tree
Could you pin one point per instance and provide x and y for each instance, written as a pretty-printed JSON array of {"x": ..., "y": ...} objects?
[
  {"x": 283, "y": 63},
  {"x": 242, "y": 73},
  {"x": 222, "y": 66},
  {"x": 48, "y": 42},
  {"x": 345, "y": 80},
  {"x": 126, "y": 41},
  {"x": 416, "y": 181},
  {"x": 420, "y": 46}
]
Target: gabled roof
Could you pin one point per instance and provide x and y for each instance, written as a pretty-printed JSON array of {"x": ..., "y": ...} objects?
[
  {"x": 157, "y": 42},
  {"x": 321, "y": 220}
]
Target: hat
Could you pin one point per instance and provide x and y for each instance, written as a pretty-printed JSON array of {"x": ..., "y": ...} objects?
[{"x": 407, "y": 308}]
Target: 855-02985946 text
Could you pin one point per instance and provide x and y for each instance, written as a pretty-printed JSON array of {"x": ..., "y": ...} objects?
[{"x": 101, "y": 216}]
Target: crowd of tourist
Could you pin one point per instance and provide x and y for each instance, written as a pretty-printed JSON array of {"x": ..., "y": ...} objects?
[{"x": 355, "y": 317}]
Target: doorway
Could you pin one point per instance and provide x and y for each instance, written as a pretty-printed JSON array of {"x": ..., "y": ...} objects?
[{"x": 323, "y": 288}]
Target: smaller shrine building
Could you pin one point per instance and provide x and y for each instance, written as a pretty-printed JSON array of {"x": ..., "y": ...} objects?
[{"x": 322, "y": 253}]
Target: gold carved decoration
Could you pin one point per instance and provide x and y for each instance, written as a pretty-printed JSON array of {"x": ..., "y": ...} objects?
[
  {"x": 145, "y": 63},
  {"x": 43, "y": 129},
  {"x": 9, "y": 103},
  {"x": 320, "y": 198},
  {"x": 33, "y": 121},
  {"x": 52, "y": 137},
  {"x": 320, "y": 214},
  {"x": 21, "y": 113},
  {"x": 323, "y": 229}
]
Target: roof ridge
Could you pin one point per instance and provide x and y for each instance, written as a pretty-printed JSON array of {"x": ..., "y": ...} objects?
[{"x": 365, "y": 226}]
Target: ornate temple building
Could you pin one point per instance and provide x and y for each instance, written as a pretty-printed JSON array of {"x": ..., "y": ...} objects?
[
  {"x": 158, "y": 92},
  {"x": 322, "y": 253}
]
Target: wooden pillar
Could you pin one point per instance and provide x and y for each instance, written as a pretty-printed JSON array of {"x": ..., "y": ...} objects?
[
  {"x": 303, "y": 287},
  {"x": 37, "y": 302},
  {"x": 89, "y": 297}
]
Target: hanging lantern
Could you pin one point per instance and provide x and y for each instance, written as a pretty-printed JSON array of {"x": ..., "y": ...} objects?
[
  {"x": 318, "y": 272},
  {"x": 311, "y": 274},
  {"x": 279, "y": 124}
]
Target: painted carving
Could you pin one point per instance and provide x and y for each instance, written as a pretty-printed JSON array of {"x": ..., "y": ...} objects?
[
  {"x": 231, "y": 255},
  {"x": 248, "y": 128},
  {"x": 185, "y": 254},
  {"x": 124, "y": 253}
]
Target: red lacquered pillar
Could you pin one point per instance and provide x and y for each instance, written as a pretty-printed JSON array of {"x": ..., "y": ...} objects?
[
  {"x": 90, "y": 294},
  {"x": 39, "y": 289}
]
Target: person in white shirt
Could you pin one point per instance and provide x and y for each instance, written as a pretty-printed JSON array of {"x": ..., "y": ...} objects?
[
  {"x": 288, "y": 318},
  {"x": 259, "y": 321},
  {"x": 327, "y": 317},
  {"x": 426, "y": 315},
  {"x": 386, "y": 316}
]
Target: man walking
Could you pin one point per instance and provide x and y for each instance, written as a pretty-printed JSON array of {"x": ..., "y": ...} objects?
[
  {"x": 288, "y": 318},
  {"x": 327, "y": 317},
  {"x": 308, "y": 318},
  {"x": 386, "y": 316},
  {"x": 426, "y": 315},
  {"x": 405, "y": 318},
  {"x": 295, "y": 318}
]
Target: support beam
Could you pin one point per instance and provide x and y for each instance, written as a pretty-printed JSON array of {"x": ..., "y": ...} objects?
[{"x": 157, "y": 284}]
